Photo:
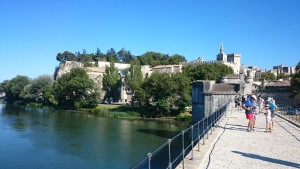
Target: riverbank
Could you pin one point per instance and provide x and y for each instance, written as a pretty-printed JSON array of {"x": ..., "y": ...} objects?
[
  {"x": 121, "y": 111},
  {"x": 131, "y": 112}
]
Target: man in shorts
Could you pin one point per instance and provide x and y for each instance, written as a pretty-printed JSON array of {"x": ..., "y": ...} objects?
[{"x": 248, "y": 107}]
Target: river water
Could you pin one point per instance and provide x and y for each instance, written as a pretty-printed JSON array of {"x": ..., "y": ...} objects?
[{"x": 38, "y": 139}]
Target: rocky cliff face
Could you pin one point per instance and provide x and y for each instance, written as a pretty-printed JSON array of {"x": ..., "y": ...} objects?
[
  {"x": 94, "y": 73},
  {"x": 65, "y": 67}
]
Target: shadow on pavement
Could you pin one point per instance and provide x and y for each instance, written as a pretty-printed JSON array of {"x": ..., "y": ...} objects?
[
  {"x": 271, "y": 160},
  {"x": 238, "y": 127}
]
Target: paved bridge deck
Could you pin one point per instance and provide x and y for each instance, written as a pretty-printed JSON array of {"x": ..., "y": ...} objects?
[{"x": 232, "y": 147}]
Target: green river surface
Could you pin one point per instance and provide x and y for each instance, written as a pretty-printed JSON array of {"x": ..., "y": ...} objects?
[{"x": 51, "y": 139}]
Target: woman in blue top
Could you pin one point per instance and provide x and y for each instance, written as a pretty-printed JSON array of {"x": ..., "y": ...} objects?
[{"x": 273, "y": 108}]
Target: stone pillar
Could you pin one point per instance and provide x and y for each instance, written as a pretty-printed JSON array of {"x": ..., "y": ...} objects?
[
  {"x": 201, "y": 99},
  {"x": 123, "y": 91},
  {"x": 197, "y": 102}
]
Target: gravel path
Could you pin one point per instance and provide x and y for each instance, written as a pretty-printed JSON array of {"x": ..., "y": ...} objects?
[{"x": 233, "y": 147}]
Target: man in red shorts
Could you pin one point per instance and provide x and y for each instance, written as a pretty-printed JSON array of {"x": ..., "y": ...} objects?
[{"x": 247, "y": 106}]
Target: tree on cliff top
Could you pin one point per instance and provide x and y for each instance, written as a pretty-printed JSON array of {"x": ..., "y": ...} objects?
[{"x": 66, "y": 56}]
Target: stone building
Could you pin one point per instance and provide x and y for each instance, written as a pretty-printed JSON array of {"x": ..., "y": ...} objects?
[
  {"x": 232, "y": 60},
  {"x": 280, "y": 69},
  {"x": 167, "y": 68},
  {"x": 96, "y": 74}
]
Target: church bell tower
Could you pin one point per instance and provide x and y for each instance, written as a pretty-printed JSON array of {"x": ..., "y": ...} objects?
[{"x": 222, "y": 56}]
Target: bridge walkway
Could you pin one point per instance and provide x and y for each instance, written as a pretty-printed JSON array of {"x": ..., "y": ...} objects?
[{"x": 231, "y": 146}]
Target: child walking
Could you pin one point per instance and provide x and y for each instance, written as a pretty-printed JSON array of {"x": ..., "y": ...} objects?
[{"x": 268, "y": 119}]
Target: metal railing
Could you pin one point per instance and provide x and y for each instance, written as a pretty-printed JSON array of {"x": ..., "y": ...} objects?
[
  {"x": 288, "y": 112},
  {"x": 174, "y": 151}
]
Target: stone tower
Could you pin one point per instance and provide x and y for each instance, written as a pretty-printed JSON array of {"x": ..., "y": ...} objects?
[
  {"x": 234, "y": 58},
  {"x": 222, "y": 56}
]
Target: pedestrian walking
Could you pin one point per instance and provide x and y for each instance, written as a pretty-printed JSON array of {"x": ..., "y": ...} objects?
[
  {"x": 254, "y": 109},
  {"x": 268, "y": 119},
  {"x": 260, "y": 102},
  {"x": 247, "y": 106},
  {"x": 273, "y": 108},
  {"x": 236, "y": 101},
  {"x": 240, "y": 103}
]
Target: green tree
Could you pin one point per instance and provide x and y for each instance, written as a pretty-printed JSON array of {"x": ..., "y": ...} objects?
[
  {"x": 156, "y": 58},
  {"x": 111, "y": 55},
  {"x": 159, "y": 89},
  {"x": 75, "y": 90},
  {"x": 151, "y": 58},
  {"x": 295, "y": 82},
  {"x": 183, "y": 91},
  {"x": 86, "y": 59},
  {"x": 98, "y": 52},
  {"x": 4, "y": 86},
  {"x": 111, "y": 83},
  {"x": 168, "y": 92},
  {"x": 121, "y": 55},
  {"x": 176, "y": 59},
  {"x": 188, "y": 71},
  {"x": 268, "y": 76},
  {"x": 125, "y": 56},
  {"x": 207, "y": 71},
  {"x": 99, "y": 56},
  {"x": 15, "y": 88},
  {"x": 66, "y": 56},
  {"x": 282, "y": 76},
  {"x": 134, "y": 79},
  {"x": 39, "y": 89}
]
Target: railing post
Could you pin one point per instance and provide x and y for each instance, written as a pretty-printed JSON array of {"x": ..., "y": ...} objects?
[
  {"x": 214, "y": 120},
  {"x": 203, "y": 131},
  {"x": 207, "y": 127},
  {"x": 192, "y": 143},
  {"x": 170, "y": 160},
  {"x": 149, "y": 160},
  {"x": 219, "y": 118},
  {"x": 183, "y": 149},
  {"x": 211, "y": 123},
  {"x": 199, "y": 135}
]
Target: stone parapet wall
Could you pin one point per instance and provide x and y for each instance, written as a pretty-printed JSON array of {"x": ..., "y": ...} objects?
[{"x": 204, "y": 102}]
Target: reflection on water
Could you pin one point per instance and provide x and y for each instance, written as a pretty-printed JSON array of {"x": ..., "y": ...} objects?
[{"x": 60, "y": 139}]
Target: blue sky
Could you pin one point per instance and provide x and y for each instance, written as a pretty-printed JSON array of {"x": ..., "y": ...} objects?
[{"x": 265, "y": 32}]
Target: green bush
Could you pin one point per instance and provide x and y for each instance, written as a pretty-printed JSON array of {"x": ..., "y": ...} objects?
[
  {"x": 33, "y": 105},
  {"x": 185, "y": 119}
]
